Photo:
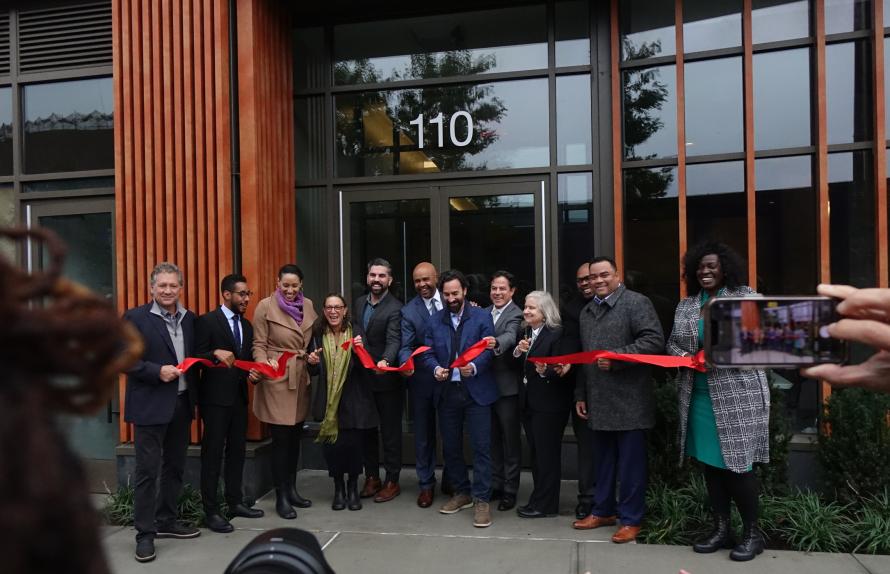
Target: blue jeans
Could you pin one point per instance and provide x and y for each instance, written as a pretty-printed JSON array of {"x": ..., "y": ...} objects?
[{"x": 455, "y": 407}]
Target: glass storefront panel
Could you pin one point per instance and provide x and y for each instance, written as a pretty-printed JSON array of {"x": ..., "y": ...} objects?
[
  {"x": 847, "y": 15},
  {"x": 465, "y": 44},
  {"x": 647, "y": 29},
  {"x": 572, "y": 33},
  {"x": 714, "y": 106},
  {"x": 650, "y": 112},
  {"x": 309, "y": 50},
  {"x": 5, "y": 131},
  {"x": 782, "y": 99},
  {"x": 651, "y": 233},
  {"x": 573, "y": 120},
  {"x": 711, "y": 24},
  {"x": 716, "y": 204},
  {"x": 574, "y": 227},
  {"x": 7, "y": 219},
  {"x": 443, "y": 129},
  {"x": 776, "y": 20},
  {"x": 313, "y": 241},
  {"x": 848, "y": 91},
  {"x": 852, "y": 218},
  {"x": 309, "y": 131},
  {"x": 81, "y": 183},
  {"x": 787, "y": 236},
  {"x": 69, "y": 126}
]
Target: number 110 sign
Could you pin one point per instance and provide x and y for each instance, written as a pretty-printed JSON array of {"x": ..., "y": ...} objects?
[{"x": 439, "y": 120}]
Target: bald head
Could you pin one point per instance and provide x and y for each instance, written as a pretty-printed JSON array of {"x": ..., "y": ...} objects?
[{"x": 425, "y": 279}]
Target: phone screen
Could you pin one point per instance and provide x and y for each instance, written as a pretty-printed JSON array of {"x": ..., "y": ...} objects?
[{"x": 771, "y": 332}]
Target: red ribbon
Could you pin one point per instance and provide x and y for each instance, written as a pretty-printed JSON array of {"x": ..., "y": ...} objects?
[
  {"x": 471, "y": 353},
  {"x": 266, "y": 369},
  {"x": 696, "y": 361},
  {"x": 367, "y": 361}
]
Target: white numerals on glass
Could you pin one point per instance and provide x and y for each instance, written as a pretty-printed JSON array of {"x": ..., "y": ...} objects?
[{"x": 439, "y": 121}]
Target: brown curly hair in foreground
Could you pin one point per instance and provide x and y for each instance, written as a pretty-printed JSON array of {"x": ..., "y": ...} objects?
[{"x": 61, "y": 348}]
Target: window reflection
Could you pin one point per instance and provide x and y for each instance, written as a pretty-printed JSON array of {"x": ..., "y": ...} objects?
[
  {"x": 847, "y": 15},
  {"x": 103, "y": 183},
  {"x": 650, "y": 113},
  {"x": 573, "y": 119},
  {"x": 775, "y": 20},
  {"x": 852, "y": 218},
  {"x": 787, "y": 237},
  {"x": 647, "y": 29},
  {"x": 848, "y": 86},
  {"x": 782, "y": 99},
  {"x": 651, "y": 233},
  {"x": 5, "y": 131},
  {"x": 716, "y": 205},
  {"x": 714, "y": 106},
  {"x": 575, "y": 227},
  {"x": 7, "y": 219},
  {"x": 470, "y": 43},
  {"x": 711, "y": 24},
  {"x": 572, "y": 34},
  {"x": 375, "y": 134},
  {"x": 69, "y": 126}
]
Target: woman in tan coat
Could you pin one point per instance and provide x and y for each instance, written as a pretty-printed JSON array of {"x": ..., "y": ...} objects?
[{"x": 283, "y": 323}]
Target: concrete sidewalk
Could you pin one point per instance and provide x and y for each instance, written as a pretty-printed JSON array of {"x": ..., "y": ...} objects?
[{"x": 398, "y": 536}]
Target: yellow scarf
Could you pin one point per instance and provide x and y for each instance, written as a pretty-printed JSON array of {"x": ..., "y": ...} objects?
[{"x": 336, "y": 361}]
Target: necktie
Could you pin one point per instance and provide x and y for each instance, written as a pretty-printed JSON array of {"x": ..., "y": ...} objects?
[
  {"x": 495, "y": 314},
  {"x": 433, "y": 306},
  {"x": 236, "y": 330}
]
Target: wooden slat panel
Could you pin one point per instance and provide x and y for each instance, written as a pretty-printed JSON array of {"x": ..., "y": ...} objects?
[
  {"x": 880, "y": 149},
  {"x": 750, "y": 183},
  {"x": 681, "y": 141},
  {"x": 617, "y": 149},
  {"x": 822, "y": 156}
]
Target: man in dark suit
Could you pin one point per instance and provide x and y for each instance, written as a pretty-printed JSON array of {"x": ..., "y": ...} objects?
[
  {"x": 376, "y": 323},
  {"x": 222, "y": 336},
  {"x": 422, "y": 386},
  {"x": 506, "y": 442},
  {"x": 466, "y": 394},
  {"x": 160, "y": 402}
]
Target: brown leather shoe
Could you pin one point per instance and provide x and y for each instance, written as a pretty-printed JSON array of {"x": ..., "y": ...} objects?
[
  {"x": 593, "y": 521},
  {"x": 425, "y": 498},
  {"x": 371, "y": 487},
  {"x": 626, "y": 534},
  {"x": 390, "y": 490}
]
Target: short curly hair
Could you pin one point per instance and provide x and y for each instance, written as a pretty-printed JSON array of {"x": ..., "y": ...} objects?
[{"x": 730, "y": 263}]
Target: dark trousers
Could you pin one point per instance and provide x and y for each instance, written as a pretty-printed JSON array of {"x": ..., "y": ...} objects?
[
  {"x": 621, "y": 456},
  {"x": 506, "y": 445},
  {"x": 345, "y": 455},
  {"x": 725, "y": 486},
  {"x": 285, "y": 451},
  {"x": 586, "y": 472},
  {"x": 160, "y": 450},
  {"x": 424, "y": 405},
  {"x": 389, "y": 409},
  {"x": 455, "y": 408},
  {"x": 224, "y": 437},
  {"x": 544, "y": 432}
]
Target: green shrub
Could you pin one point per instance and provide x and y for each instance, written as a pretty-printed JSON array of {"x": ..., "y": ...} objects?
[
  {"x": 810, "y": 524},
  {"x": 774, "y": 476},
  {"x": 855, "y": 455},
  {"x": 119, "y": 507},
  {"x": 871, "y": 525}
]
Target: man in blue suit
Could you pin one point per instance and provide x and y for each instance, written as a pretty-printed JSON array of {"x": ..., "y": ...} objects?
[
  {"x": 160, "y": 402},
  {"x": 465, "y": 394}
]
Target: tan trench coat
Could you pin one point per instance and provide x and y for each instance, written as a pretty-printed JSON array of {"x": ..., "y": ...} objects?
[{"x": 284, "y": 401}]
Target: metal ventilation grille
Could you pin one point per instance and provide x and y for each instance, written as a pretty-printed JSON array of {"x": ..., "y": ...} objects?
[
  {"x": 64, "y": 37},
  {"x": 4, "y": 43}
]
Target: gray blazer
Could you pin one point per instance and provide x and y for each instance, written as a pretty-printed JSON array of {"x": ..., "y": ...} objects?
[
  {"x": 740, "y": 397},
  {"x": 622, "y": 398},
  {"x": 503, "y": 367}
]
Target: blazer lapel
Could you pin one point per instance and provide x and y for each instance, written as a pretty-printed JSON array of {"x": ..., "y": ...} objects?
[
  {"x": 276, "y": 315},
  {"x": 161, "y": 325},
  {"x": 223, "y": 324}
]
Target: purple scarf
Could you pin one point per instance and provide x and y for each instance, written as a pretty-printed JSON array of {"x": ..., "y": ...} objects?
[{"x": 294, "y": 309}]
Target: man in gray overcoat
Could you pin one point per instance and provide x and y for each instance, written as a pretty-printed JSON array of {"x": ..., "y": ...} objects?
[{"x": 620, "y": 403}]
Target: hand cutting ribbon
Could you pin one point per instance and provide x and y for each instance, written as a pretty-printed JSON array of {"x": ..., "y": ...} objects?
[
  {"x": 367, "y": 361},
  {"x": 471, "y": 353},
  {"x": 696, "y": 361},
  {"x": 267, "y": 370}
]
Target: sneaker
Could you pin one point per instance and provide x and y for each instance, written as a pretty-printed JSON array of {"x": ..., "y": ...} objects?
[
  {"x": 481, "y": 515},
  {"x": 177, "y": 530},
  {"x": 145, "y": 550},
  {"x": 456, "y": 503}
]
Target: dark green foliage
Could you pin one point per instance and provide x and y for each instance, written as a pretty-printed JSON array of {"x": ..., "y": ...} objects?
[
  {"x": 119, "y": 507},
  {"x": 871, "y": 525},
  {"x": 774, "y": 476},
  {"x": 855, "y": 456},
  {"x": 810, "y": 524}
]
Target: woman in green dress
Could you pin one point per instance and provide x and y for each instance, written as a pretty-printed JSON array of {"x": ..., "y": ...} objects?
[{"x": 724, "y": 413}]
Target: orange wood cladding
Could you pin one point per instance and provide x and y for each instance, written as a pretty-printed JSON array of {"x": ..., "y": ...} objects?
[{"x": 173, "y": 148}]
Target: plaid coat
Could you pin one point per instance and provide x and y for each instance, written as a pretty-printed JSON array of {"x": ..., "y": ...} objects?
[{"x": 740, "y": 397}]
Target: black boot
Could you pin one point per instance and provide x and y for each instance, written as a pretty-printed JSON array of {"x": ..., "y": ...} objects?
[
  {"x": 282, "y": 504},
  {"x": 339, "y": 502},
  {"x": 352, "y": 498},
  {"x": 294, "y": 496},
  {"x": 720, "y": 537},
  {"x": 751, "y": 544}
]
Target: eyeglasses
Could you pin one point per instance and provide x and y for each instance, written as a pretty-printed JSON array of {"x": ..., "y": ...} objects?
[
  {"x": 334, "y": 307},
  {"x": 244, "y": 293},
  {"x": 581, "y": 280}
]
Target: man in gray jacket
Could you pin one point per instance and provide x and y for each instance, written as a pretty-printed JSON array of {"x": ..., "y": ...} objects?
[{"x": 620, "y": 403}]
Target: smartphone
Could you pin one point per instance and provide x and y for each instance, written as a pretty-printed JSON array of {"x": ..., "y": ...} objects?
[{"x": 761, "y": 331}]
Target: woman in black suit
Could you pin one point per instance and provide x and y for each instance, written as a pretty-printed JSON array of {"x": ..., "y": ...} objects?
[
  {"x": 546, "y": 401},
  {"x": 342, "y": 403}
]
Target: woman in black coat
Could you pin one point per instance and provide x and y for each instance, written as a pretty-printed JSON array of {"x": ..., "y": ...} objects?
[
  {"x": 342, "y": 403},
  {"x": 545, "y": 399}
]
